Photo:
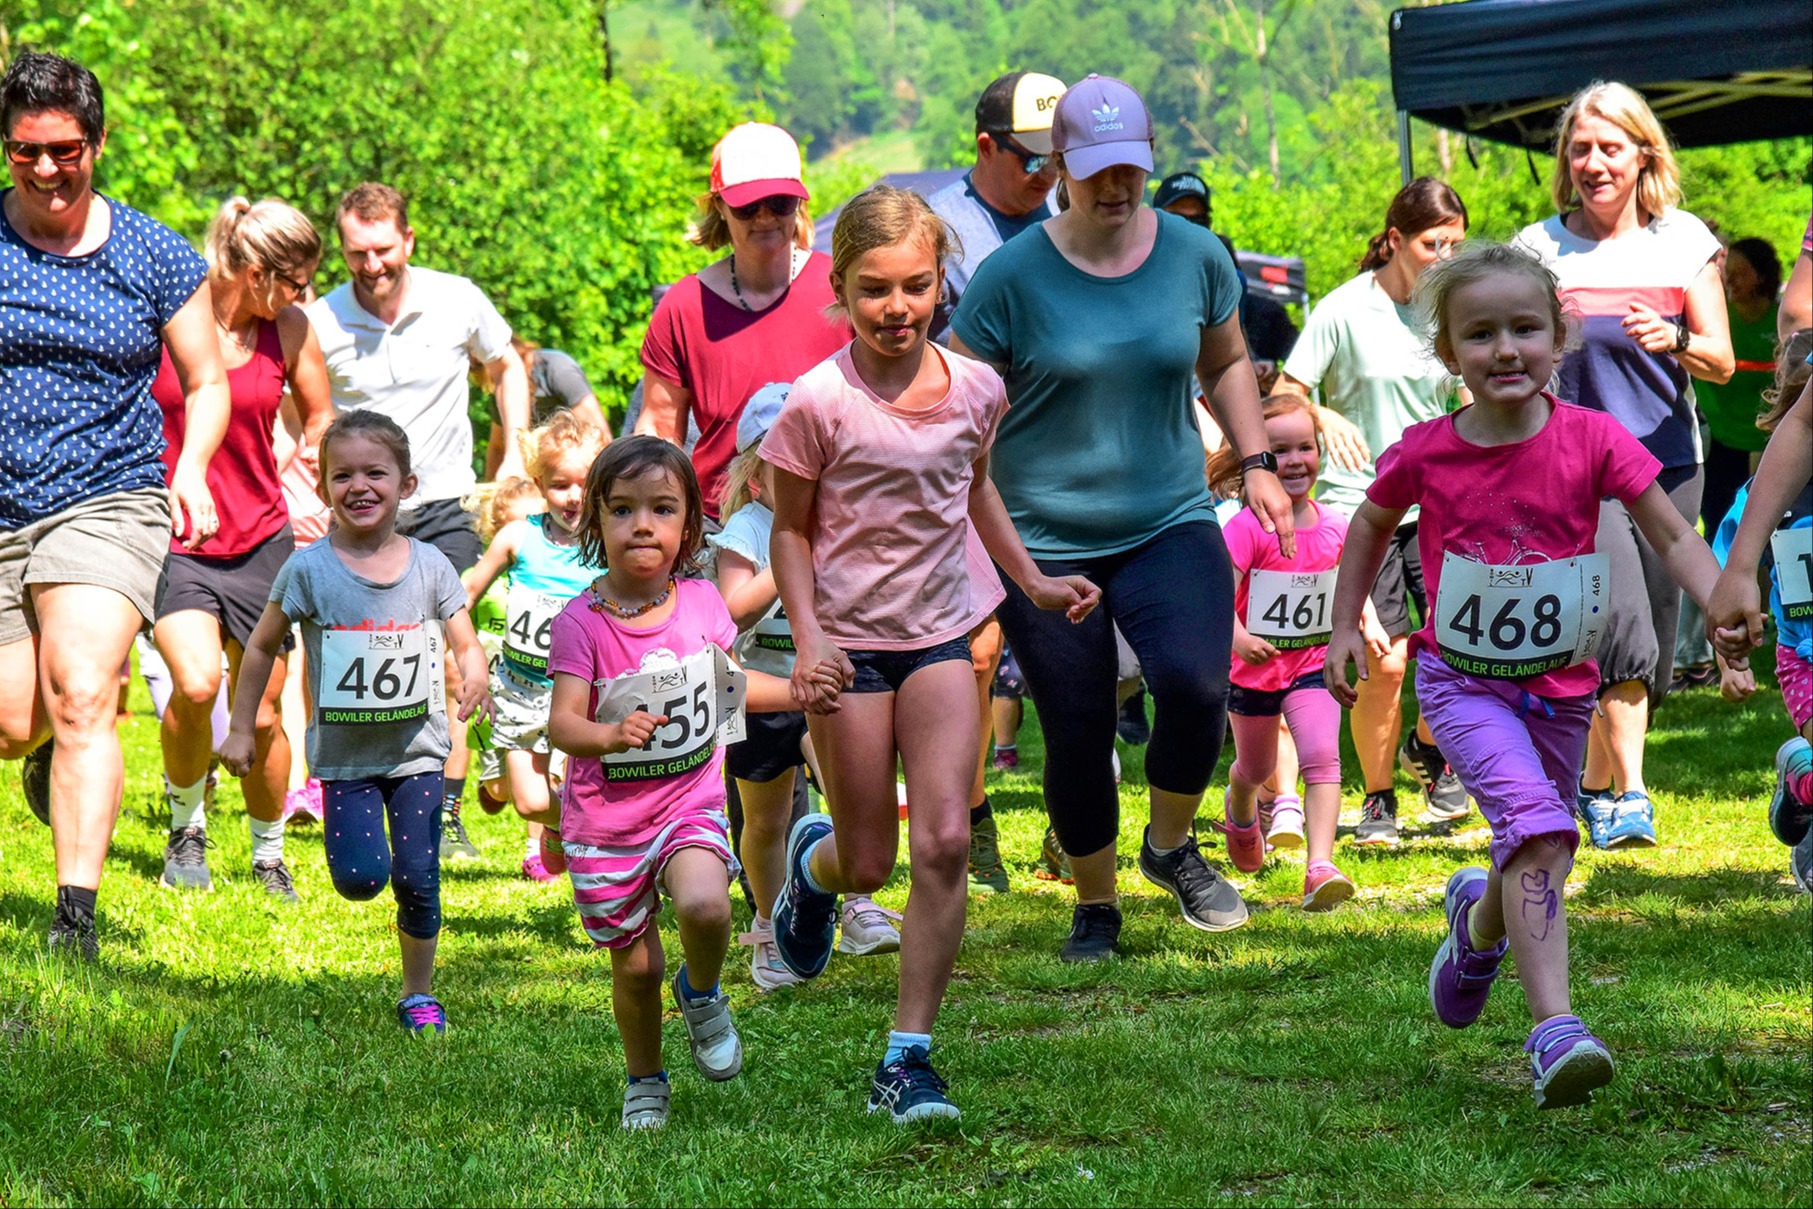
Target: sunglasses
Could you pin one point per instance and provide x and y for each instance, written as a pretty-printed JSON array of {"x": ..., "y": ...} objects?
[
  {"x": 779, "y": 205},
  {"x": 65, "y": 152},
  {"x": 1031, "y": 162}
]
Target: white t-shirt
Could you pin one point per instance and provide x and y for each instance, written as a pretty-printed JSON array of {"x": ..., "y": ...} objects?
[
  {"x": 766, "y": 646},
  {"x": 1368, "y": 357},
  {"x": 414, "y": 370}
]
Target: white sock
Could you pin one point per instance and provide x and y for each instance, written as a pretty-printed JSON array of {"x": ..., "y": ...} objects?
[
  {"x": 186, "y": 804},
  {"x": 267, "y": 840},
  {"x": 532, "y": 846}
]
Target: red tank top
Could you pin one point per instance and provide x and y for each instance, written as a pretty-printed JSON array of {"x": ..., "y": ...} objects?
[{"x": 243, "y": 475}]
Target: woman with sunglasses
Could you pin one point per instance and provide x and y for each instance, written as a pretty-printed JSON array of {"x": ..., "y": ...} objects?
[
  {"x": 1363, "y": 347},
  {"x": 91, "y": 292},
  {"x": 756, "y": 316},
  {"x": 261, "y": 258}
]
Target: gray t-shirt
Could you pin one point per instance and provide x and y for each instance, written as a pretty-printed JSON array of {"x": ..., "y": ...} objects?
[
  {"x": 555, "y": 381},
  {"x": 980, "y": 229},
  {"x": 376, "y": 658}
]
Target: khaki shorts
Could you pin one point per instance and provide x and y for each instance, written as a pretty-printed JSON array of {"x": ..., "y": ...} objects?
[{"x": 113, "y": 541}]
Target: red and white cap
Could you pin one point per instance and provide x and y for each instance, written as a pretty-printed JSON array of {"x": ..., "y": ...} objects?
[{"x": 756, "y": 160}]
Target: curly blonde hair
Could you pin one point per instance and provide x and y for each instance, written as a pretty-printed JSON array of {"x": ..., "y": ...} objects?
[
  {"x": 491, "y": 503},
  {"x": 564, "y": 431}
]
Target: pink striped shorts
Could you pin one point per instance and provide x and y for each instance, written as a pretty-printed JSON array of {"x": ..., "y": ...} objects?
[{"x": 618, "y": 890}]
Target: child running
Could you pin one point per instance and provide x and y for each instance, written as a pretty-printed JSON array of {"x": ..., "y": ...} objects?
[
  {"x": 1282, "y": 615},
  {"x": 1788, "y": 558},
  {"x": 379, "y": 614},
  {"x": 542, "y": 555},
  {"x": 643, "y": 693},
  {"x": 881, "y": 469},
  {"x": 764, "y": 764},
  {"x": 1510, "y": 489},
  {"x": 496, "y": 505}
]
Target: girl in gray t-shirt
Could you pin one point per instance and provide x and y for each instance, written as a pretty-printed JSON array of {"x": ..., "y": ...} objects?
[{"x": 379, "y": 613}]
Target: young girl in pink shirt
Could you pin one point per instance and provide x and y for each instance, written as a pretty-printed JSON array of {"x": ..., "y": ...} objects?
[
  {"x": 1510, "y": 489},
  {"x": 643, "y": 693},
  {"x": 1282, "y": 620},
  {"x": 881, "y": 470}
]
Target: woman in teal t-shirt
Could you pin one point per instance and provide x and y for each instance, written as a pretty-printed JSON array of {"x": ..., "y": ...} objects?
[{"x": 1096, "y": 320}]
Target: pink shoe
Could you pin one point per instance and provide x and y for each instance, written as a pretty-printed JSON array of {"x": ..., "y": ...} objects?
[
  {"x": 1325, "y": 887},
  {"x": 1246, "y": 845},
  {"x": 304, "y": 802},
  {"x": 534, "y": 870}
]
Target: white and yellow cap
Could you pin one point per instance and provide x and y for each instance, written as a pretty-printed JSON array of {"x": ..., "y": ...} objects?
[{"x": 1021, "y": 103}]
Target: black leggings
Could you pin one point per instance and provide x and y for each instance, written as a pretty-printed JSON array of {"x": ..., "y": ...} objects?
[{"x": 1173, "y": 598}]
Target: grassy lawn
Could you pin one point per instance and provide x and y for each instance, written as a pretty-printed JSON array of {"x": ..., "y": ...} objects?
[{"x": 229, "y": 1051}]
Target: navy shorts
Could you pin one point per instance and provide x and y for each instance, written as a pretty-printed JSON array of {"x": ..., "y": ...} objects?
[
  {"x": 772, "y": 745},
  {"x": 886, "y": 671},
  {"x": 1269, "y": 703},
  {"x": 448, "y": 527}
]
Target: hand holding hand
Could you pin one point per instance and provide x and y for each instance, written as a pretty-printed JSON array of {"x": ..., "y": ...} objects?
[
  {"x": 1736, "y": 680},
  {"x": 1734, "y": 614}
]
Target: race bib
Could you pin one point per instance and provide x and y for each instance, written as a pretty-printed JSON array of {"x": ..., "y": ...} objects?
[
  {"x": 1292, "y": 610},
  {"x": 1793, "y": 551},
  {"x": 774, "y": 632},
  {"x": 379, "y": 676},
  {"x": 1506, "y": 623},
  {"x": 529, "y": 626},
  {"x": 702, "y": 700}
]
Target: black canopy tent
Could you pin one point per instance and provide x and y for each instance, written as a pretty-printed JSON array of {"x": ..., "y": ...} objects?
[{"x": 1714, "y": 72}]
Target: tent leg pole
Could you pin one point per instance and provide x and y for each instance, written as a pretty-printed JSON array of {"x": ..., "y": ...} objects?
[{"x": 1406, "y": 168}]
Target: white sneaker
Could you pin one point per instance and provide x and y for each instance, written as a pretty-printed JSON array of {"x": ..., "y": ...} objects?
[
  {"x": 645, "y": 1104},
  {"x": 868, "y": 927},
  {"x": 1286, "y": 830},
  {"x": 716, "y": 1049},
  {"x": 766, "y": 969}
]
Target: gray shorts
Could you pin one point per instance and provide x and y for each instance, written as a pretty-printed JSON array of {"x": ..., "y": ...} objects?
[
  {"x": 519, "y": 721},
  {"x": 113, "y": 541}
]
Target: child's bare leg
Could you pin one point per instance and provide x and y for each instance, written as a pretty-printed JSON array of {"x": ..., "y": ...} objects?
[
  {"x": 767, "y": 810},
  {"x": 1525, "y": 903},
  {"x": 637, "y": 972},
  {"x": 699, "y": 886},
  {"x": 1321, "y": 818},
  {"x": 856, "y": 749},
  {"x": 529, "y": 787}
]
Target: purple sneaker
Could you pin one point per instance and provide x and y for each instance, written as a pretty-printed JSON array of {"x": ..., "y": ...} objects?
[
  {"x": 421, "y": 1014},
  {"x": 1461, "y": 976},
  {"x": 1567, "y": 1062}
]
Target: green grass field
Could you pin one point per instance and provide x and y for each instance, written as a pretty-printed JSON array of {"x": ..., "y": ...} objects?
[{"x": 230, "y": 1051}]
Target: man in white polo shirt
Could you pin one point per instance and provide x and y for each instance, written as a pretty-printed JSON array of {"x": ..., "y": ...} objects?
[{"x": 400, "y": 340}]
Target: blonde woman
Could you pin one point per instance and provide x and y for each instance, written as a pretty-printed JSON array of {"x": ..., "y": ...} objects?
[
  {"x": 261, "y": 257},
  {"x": 1641, "y": 272}
]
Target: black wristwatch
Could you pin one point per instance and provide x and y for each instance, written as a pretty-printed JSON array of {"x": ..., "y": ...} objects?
[
  {"x": 1267, "y": 461},
  {"x": 1682, "y": 339}
]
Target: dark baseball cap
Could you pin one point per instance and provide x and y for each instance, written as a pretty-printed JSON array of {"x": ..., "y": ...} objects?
[{"x": 1180, "y": 185}]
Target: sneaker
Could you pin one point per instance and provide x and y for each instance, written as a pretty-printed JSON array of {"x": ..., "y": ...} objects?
[
  {"x": 1132, "y": 727},
  {"x": 1788, "y": 815},
  {"x": 1325, "y": 887},
  {"x": 420, "y": 1014},
  {"x": 533, "y": 868},
  {"x": 1633, "y": 823},
  {"x": 868, "y": 927},
  {"x": 1567, "y": 1063},
  {"x": 716, "y": 1049},
  {"x": 34, "y": 779},
  {"x": 1594, "y": 808},
  {"x": 1378, "y": 819},
  {"x": 910, "y": 1090},
  {"x": 805, "y": 920},
  {"x": 275, "y": 877},
  {"x": 1800, "y": 863},
  {"x": 1246, "y": 844},
  {"x": 766, "y": 969},
  {"x": 1460, "y": 977},
  {"x": 304, "y": 802},
  {"x": 986, "y": 874},
  {"x": 186, "y": 860},
  {"x": 553, "y": 852},
  {"x": 1207, "y": 899},
  {"x": 74, "y": 938},
  {"x": 489, "y": 802},
  {"x": 1095, "y": 933},
  {"x": 456, "y": 845},
  {"x": 1444, "y": 799},
  {"x": 1007, "y": 759},
  {"x": 1054, "y": 865},
  {"x": 1285, "y": 828},
  {"x": 646, "y": 1103}
]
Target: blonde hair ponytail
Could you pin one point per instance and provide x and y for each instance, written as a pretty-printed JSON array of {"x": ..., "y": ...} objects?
[{"x": 270, "y": 234}]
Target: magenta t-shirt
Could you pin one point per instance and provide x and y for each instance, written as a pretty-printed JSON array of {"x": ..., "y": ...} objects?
[
  {"x": 723, "y": 354},
  {"x": 891, "y": 524},
  {"x": 1253, "y": 549},
  {"x": 1535, "y": 500},
  {"x": 588, "y": 642}
]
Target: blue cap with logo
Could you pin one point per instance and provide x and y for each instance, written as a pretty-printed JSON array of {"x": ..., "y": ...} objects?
[{"x": 1101, "y": 122}]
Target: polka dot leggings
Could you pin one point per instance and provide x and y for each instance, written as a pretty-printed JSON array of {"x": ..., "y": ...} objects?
[{"x": 361, "y": 860}]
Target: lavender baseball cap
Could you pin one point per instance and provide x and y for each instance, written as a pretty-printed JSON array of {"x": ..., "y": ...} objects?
[{"x": 1101, "y": 122}]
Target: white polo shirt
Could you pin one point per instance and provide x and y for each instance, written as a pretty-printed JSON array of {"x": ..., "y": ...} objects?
[{"x": 414, "y": 370}]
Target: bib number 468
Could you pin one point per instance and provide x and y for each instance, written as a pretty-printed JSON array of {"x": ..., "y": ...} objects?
[{"x": 1507, "y": 629}]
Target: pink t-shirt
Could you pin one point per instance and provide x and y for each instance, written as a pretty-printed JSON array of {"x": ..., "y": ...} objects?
[
  {"x": 1253, "y": 549},
  {"x": 892, "y": 517},
  {"x": 588, "y": 642},
  {"x": 1535, "y": 500}
]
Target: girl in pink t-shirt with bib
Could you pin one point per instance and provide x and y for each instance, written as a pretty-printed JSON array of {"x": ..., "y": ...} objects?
[
  {"x": 1510, "y": 489},
  {"x": 1283, "y": 610},
  {"x": 881, "y": 492}
]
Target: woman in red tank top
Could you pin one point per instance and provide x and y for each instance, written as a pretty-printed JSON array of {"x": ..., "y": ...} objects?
[{"x": 260, "y": 259}]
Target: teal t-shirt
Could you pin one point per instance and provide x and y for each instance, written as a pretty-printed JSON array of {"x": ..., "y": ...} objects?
[{"x": 1099, "y": 449}]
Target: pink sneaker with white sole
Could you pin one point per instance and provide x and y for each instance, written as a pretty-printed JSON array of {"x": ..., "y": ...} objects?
[
  {"x": 1325, "y": 887},
  {"x": 304, "y": 801}
]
